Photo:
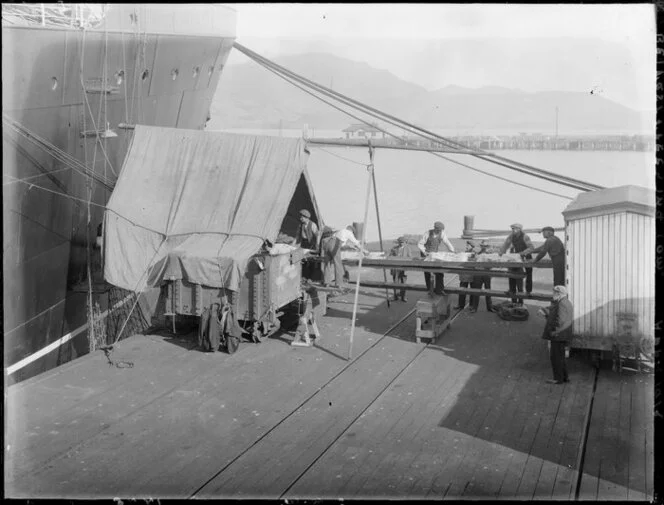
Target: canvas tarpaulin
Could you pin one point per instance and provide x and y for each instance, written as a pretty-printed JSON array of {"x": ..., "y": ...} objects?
[{"x": 196, "y": 205}]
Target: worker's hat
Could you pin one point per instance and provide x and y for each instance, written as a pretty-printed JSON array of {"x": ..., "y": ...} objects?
[{"x": 305, "y": 213}]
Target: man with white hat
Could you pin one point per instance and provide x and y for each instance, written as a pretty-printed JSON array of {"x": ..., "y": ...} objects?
[
  {"x": 558, "y": 330},
  {"x": 518, "y": 242}
]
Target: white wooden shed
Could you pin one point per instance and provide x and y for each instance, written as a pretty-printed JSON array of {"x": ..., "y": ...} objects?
[{"x": 610, "y": 237}]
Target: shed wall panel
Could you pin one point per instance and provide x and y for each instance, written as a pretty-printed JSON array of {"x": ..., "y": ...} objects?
[{"x": 611, "y": 261}]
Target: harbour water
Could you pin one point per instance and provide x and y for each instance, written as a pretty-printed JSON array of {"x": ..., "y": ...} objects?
[{"x": 417, "y": 188}]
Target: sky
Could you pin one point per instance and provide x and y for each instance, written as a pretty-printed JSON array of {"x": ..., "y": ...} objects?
[{"x": 609, "y": 48}]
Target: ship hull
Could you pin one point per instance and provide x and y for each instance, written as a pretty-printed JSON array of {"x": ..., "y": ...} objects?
[{"x": 63, "y": 87}]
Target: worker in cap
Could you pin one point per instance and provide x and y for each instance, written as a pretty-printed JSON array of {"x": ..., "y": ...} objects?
[
  {"x": 519, "y": 242},
  {"x": 308, "y": 237},
  {"x": 401, "y": 251},
  {"x": 433, "y": 241},
  {"x": 465, "y": 280},
  {"x": 558, "y": 330},
  {"x": 555, "y": 248}
]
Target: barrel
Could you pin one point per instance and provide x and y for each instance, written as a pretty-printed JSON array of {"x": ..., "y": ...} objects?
[{"x": 468, "y": 225}]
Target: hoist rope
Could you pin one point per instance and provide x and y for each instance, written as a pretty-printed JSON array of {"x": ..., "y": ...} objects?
[
  {"x": 431, "y": 152},
  {"x": 517, "y": 166}
]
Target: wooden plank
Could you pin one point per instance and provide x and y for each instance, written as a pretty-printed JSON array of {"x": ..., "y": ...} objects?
[
  {"x": 608, "y": 488},
  {"x": 321, "y": 427},
  {"x": 84, "y": 405},
  {"x": 589, "y": 485},
  {"x": 452, "y": 290},
  {"x": 282, "y": 379},
  {"x": 486, "y": 466},
  {"x": 520, "y": 436},
  {"x": 418, "y": 264},
  {"x": 564, "y": 487}
]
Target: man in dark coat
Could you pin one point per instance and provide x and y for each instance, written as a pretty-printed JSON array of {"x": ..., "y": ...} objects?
[
  {"x": 308, "y": 237},
  {"x": 558, "y": 330},
  {"x": 556, "y": 250}
]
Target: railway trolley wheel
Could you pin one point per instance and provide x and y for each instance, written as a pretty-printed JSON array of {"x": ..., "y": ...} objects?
[{"x": 232, "y": 344}]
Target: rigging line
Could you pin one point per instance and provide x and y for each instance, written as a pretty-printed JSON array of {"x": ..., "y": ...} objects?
[
  {"x": 341, "y": 97},
  {"x": 32, "y": 185},
  {"x": 545, "y": 175},
  {"x": 24, "y": 179},
  {"x": 289, "y": 79},
  {"x": 53, "y": 150},
  {"x": 336, "y": 94},
  {"x": 340, "y": 157},
  {"x": 94, "y": 126},
  {"x": 499, "y": 177},
  {"x": 448, "y": 159},
  {"x": 150, "y": 264}
]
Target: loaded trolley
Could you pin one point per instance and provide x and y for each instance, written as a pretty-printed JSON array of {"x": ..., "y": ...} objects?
[{"x": 270, "y": 286}]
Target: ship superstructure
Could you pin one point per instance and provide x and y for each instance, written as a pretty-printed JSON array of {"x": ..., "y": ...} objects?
[{"x": 75, "y": 78}]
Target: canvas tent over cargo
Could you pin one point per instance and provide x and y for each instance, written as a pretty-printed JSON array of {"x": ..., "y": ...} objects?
[{"x": 197, "y": 205}]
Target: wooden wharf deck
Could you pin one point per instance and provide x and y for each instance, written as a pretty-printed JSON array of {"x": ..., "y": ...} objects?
[{"x": 467, "y": 416}]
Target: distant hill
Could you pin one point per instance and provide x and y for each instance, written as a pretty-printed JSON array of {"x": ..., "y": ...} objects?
[{"x": 249, "y": 96}]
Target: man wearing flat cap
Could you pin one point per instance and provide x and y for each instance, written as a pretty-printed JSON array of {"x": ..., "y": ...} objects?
[
  {"x": 558, "y": 330},
  {"x": 401, "y": 251},
  {"x": 432, "y": 241},
  {"x": 307, "y": 237},
  {"x": 556, "y": 250},
  {"x": 519, "y": 242}
]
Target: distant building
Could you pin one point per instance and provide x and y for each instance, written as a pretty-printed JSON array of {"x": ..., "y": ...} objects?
[{"x": 362, "y": 131}]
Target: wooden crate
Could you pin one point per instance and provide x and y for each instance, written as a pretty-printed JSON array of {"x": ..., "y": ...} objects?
[{"x": 432, "y": 317}]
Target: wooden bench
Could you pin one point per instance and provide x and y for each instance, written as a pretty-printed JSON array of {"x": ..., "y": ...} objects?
[{"x": 432, "y": 317}]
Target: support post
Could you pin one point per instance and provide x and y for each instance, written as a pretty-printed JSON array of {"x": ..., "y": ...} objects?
[
  {"x": 380, "y": 233},
  {"x": 359, "y": 266}
]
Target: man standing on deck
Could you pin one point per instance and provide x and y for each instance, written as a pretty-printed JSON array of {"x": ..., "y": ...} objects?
[
  {"x": 465, "y": 281},
  {"x": 307, "y": 237},
  {"x": 431, "y": 241},
  {"x": 519, "y": 242},
  {"x": 556, "y": 250},
  {"x": 331, "y": 243},
  {"x": 558, "y": 330},
  {"x": 346, "y": 236},
  {"x": 479, "y": 282},
  {"x": 402, "y": 251}
]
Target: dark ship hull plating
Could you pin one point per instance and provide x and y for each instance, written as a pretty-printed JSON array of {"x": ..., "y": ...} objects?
[{"x": 72, "y": 91}]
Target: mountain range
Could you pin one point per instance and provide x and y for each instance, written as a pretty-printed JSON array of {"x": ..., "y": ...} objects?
[{"x": 250, "y": 96}]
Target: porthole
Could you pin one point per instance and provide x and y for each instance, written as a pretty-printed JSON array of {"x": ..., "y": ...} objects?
[
  {"x": 197, "y": 70},
  {"x": 54, "y": 83},
  {"x": 174, "y": 73},
  {"x": 145, "y": 74},
  {"x": 211, "y": 70},
  {"x": 119, "y": 77}
]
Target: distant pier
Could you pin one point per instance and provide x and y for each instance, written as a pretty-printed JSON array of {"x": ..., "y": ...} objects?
[{"x": 532, "y": 142}]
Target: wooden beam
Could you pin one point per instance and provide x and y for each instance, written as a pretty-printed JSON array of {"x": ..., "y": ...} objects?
[
  {"x": 362, "y": 143},
  {"x": 418, "y": 264},
  {"x": 458, "y": 291}
]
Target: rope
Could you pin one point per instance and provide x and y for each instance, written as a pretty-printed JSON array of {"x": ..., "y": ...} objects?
[
  {"x": 52, "y": 150},
  {"x": 426, "y": 134},
  {"x": 517, "y": 166},
  {"x": 395, "y": 136},
  {"x": 29, "y": 178}
]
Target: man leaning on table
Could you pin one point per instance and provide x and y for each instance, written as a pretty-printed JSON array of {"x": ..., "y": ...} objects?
[{"x": 432, "y": 241}]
